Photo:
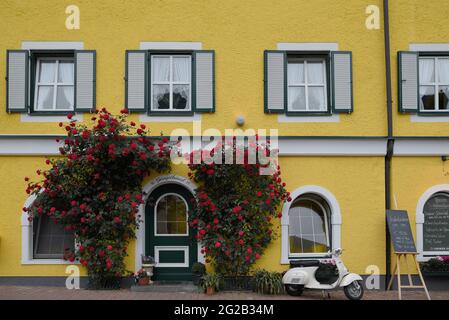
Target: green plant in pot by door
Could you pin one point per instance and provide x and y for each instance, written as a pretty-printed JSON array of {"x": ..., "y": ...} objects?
[
  {"x": 210, "y": 283},
  {"x": 198, "y": 270},
  {"x": 266, "y": 282}
]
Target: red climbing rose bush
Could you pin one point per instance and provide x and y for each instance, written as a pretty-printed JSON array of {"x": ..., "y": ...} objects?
[
  {"x": 234, "y": 209},
  {"x": 94, "y": 189}
]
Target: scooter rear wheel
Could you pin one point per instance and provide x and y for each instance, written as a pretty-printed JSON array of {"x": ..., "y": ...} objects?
[
  {"x": 354, "y": 290},
  {"x": 294, "y": 289}
]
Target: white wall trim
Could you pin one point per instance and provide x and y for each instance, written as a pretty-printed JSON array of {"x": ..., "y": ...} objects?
[
  {"x": 170, "y": 45},
  {"x": 27, "y": 240},
  {"x": 45, "y": 145},
  {"x": 52, "y": 45},
  {"x": 417, "y": 118},
  {"x": 24, "y": 117},
  {"x": 148, "y": 189},
  {"x": 420, "y": 218},
  {"x": 421, "y": 147},
  {"x": 168, "y": 119},
  {"x": 429, "y": 47},
  {"x": 307, "y": 46},
  {"x": 336, "y": 218},
  {"x": 282, "y": 118},
  {"x": 332, "y": 147}
]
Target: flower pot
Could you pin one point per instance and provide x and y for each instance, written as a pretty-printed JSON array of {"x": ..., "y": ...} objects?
[
  {"x": 196, "y": 278},
  {"x": 97, "y": 282},
  {"x": 237, "y": 283},
  {"x": 144, "y": 281},
  {"x": 210, "y": 291}
]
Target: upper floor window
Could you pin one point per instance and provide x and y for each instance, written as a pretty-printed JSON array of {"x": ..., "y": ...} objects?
[
  {"x": 171, "y": 81},
  {"x": 433, "y": 83},
  {"x": 54, "y": 90},
  {"x": 50, "y": 81},
  {"x": 307, "y": 84}
]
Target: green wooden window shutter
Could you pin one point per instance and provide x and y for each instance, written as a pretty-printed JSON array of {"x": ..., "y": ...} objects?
[
  {"x": 204, "y": 81},
  {"x": 85, "y": 80},
  {"x": 17, "y": 75},
  {"x": 275, "y": 81},
  {"x": 342, "y": 96},
  {"x": 136, "y": 80},
  {"x": 408, "y": 81}
]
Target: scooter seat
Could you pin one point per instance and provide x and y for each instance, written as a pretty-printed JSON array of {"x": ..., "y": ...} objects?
[{"x": 304, "y": 263}]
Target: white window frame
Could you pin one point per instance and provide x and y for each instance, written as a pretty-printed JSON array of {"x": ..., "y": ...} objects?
[
  {"x": 55, "y": 84},
  {"x": 436, "y": 84},
  {"x": 27, "y": 241},
  {"x": 306, "y": 85},
  {"x": 335, "y": 217},
  {"x": 155, "y": 216},
  {"x": 184, "y": 264},
  {"x": 326, "y": 230},
  {"x": 170, "y": 82},
  {"x": 427, "y": 255}
]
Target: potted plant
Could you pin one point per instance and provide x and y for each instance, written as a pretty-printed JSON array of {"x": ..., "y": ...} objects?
[
  {"x": 141, "y": 277},
  {"x": 210, "y": 283},
  {"x": 266, "y": 282},
  {"x": 438, "y": 266},
  {"x": 198, "y": 270}
]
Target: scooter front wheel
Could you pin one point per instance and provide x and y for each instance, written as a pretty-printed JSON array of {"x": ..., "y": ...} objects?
[
  {"x": 294, "y": 289},
  {"x": 354, "y": 290}
]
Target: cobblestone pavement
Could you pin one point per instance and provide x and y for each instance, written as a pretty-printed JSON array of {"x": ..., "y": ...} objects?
[{"x": 59, "y": 293}]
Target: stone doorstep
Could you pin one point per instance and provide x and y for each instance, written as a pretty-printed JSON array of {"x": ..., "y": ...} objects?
[{"x": 159, "y": 286}]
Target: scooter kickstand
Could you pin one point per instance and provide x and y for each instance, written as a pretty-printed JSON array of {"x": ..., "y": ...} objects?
[{"x": 326, "y": 293}]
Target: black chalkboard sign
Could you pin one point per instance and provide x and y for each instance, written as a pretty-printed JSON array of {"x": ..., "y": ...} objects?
[{"x": 400, "y": 231}]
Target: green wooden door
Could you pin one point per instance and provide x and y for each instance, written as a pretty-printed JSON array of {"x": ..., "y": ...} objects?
[{"x": 169, "y": 239}]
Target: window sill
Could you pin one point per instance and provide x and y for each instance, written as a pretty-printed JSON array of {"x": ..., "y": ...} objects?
[
  {"x": 304, "y": 117},
  {"x": 49, "y": 117},
  {"x": 48, "y": 261},
  {"x": 169, "y": 118},
  {"x": 430, "y": 117}
]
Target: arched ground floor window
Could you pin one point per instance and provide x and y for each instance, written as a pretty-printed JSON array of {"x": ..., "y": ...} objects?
[
  {"x": 311, "y": 224},
  {"x": 432, "y": 222}
]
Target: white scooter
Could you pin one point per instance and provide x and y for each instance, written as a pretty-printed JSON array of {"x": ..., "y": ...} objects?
[{"x": 302, "y": 276}]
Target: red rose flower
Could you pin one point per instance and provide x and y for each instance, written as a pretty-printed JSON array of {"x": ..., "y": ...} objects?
[
  {"x": 217, "y": 244},
  {"x": 237, "y": 209},
  {"x": 109, "y": 247}
]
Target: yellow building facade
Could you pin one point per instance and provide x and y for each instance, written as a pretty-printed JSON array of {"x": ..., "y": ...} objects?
[{"x": 313, "y": 70}]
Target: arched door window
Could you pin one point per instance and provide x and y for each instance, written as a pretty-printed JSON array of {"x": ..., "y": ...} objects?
[
  {"x": 309, "y": 226},
  {"x": 171, "y": 215},
  {"x": 436, "y": 224}
]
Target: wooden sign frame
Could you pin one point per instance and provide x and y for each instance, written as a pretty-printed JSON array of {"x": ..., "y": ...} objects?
[{"x": 397, "y": 270}]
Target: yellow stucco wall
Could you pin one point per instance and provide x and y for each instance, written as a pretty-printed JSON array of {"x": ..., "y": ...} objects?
[
  {"x": 238, "y": 31},
  {"x": 349, "y": 179},
  {"x": 416, "y": 22}
]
